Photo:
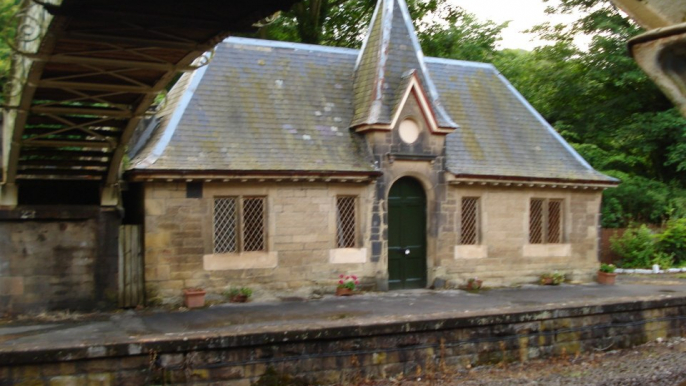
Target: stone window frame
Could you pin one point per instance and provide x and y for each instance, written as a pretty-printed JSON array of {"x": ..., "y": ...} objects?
[
  {"x": 477, "y": 238},
  {"x": 360, "y": 253},
  {"x": 544, "y": 223},
  {"x": 342, "y": 229},
  {"x": 240, "y": 223}
]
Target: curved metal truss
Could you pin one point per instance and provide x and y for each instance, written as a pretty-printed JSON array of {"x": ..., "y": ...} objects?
[{"x": 85, "y": 72}]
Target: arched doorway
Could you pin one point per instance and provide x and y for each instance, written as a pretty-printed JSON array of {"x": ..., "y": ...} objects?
[{"x": 406, "y": 235}]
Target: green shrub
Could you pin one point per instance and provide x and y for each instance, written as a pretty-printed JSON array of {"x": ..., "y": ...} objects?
[
  {"x": 663, "y": 259},
  {"x": 640, "y": 199},
  {"x": 607, "y": 268},
  {"x": 235, "y": 291},
  {"x": 672, "y": 241},
  {"x": 636, "y": 247}
]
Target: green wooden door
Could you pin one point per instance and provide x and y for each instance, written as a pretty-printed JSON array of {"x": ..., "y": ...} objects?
[{"x": 406, "y": 235}]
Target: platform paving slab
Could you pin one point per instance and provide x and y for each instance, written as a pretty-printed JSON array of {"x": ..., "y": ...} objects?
[{"x": 99, "y": 336}]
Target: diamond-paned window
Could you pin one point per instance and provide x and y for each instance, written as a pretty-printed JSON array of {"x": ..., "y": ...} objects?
[
  {"x": 469, "y": 221},
  {"x": 239, "y": 224},
  {"x": 253, "y": 220},
  {"x": 225, "y": 225},
  {"x": 345, "y": 221},
  {"x": 545, "y": 221}
]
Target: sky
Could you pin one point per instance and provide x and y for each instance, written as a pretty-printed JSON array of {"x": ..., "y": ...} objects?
[{"x": 522, "y": 14}]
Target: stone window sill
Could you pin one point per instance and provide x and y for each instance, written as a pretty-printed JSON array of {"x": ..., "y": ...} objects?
[
  {"x": 547, "y": 250},
  {"x": 471, "y": 252},
  {"x": 348, "y": 255},
  {"x": 239, "y": 261}
]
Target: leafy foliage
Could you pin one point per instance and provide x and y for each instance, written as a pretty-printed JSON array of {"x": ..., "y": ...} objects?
[
  {"x": 672, "y": 241},
  {"x": 612, "y": 113},
  {"x": 607, "y": 268},
  {"x": 444, "y": 29},
  {"x": 640, "y": 247},
  {"x": 640, "y": 199},
  {"x": 636, "y": 247},
  {"x": 460, "y": 36},
  {"x": 597, "y": 98},
  {"x": 7, "y": 10}
]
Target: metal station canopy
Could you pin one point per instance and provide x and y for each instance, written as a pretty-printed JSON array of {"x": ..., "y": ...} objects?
[
  {"x": 85, "y": 73},
  {"x": 661, "y": 50}
]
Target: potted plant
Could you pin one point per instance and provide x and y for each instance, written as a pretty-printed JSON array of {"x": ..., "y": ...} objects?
[
  {"x": 474, "y": 284},
  {"x": 346, "y": 285},
  {"x": 194, "y": 297},
  {"x": 606, "y": 274},
  {"x": 239, "y": 295},
  {"x": 555, "y": 278}
]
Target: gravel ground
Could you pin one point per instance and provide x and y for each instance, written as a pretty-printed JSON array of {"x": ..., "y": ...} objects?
[{"x": 656, "y": 364}]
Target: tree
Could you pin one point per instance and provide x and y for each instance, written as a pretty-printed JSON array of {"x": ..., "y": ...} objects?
[
  {"x": 453, "y": 33},
  {"x": 8, "y": 9},
  {"x": 597, "y": 98},
  {"x": 443, "y": 29},
  {"x": 602, "y": 102}
]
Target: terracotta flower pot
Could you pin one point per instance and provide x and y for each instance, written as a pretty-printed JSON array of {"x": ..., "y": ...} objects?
[
  {"x": 343, "y": 291},
  {"x": 606, "y": 278},
  {"x": 239, "y": 298},
  {"x": 194, "y": 297},
  {"x": 474, "y": 284}
]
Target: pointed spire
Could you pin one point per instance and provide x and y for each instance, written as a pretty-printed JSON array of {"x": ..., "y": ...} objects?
[{"x": 390, "y": 51}]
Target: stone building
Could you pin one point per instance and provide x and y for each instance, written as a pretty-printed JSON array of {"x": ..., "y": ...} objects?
[{"x": 280, "y": 166}]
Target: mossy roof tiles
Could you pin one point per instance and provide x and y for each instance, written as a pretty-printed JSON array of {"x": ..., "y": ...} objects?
[
  {"x": 390, "y": 50},
  {"x": 270, "y": 106},
  {"x": 266, "y": 109}
]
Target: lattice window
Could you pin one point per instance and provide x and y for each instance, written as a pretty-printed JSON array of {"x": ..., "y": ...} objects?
[
  {"x": 554, "y": 221},
  {"x": 239, "y": 224},
  {"x": 469, "y": 230},
  {"x": 545, "y": 221},
  {"x": 345, "y": 221},
  {"x": 225, "y": 211},
  {"x": 253, "y": 220}
]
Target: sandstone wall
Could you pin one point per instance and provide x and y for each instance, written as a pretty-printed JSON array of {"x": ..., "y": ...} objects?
[
  {"x": 504, "y": 256},
  {"x": 301, "y": 255},
  {"x": 57, "y": 257},
  {"x": 302, "y": 258}
]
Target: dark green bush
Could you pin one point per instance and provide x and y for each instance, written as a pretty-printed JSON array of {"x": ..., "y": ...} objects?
[
  {"x": 636, "y": 247},
  {"x": 639, "y": 199},
  {"x": 672, "y": 241}
]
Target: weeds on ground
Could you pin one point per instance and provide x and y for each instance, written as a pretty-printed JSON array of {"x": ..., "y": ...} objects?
[{"x": 54, "y": 316}]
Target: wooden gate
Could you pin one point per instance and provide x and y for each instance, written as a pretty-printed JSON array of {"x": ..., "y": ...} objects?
[{"x": 131, "y": 289}]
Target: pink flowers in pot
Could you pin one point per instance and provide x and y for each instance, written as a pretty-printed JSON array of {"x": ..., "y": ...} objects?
[{"x": 348, "y": 281}]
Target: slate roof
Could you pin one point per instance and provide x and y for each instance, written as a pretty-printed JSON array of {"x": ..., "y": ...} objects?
[
  {"x": 390, "y": 50},
  {"x": 273, "y": 106},
  {"x": 500, "y": 134},
  {"x": 263, "y": 107}
]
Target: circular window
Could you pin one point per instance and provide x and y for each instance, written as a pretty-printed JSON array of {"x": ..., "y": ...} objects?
[{"x": 409, "y": 131}]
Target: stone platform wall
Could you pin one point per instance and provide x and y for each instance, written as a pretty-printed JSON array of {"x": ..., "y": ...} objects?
[
  {"x": 345, "y": 352},
  {"x": 57, "y": 257}
]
